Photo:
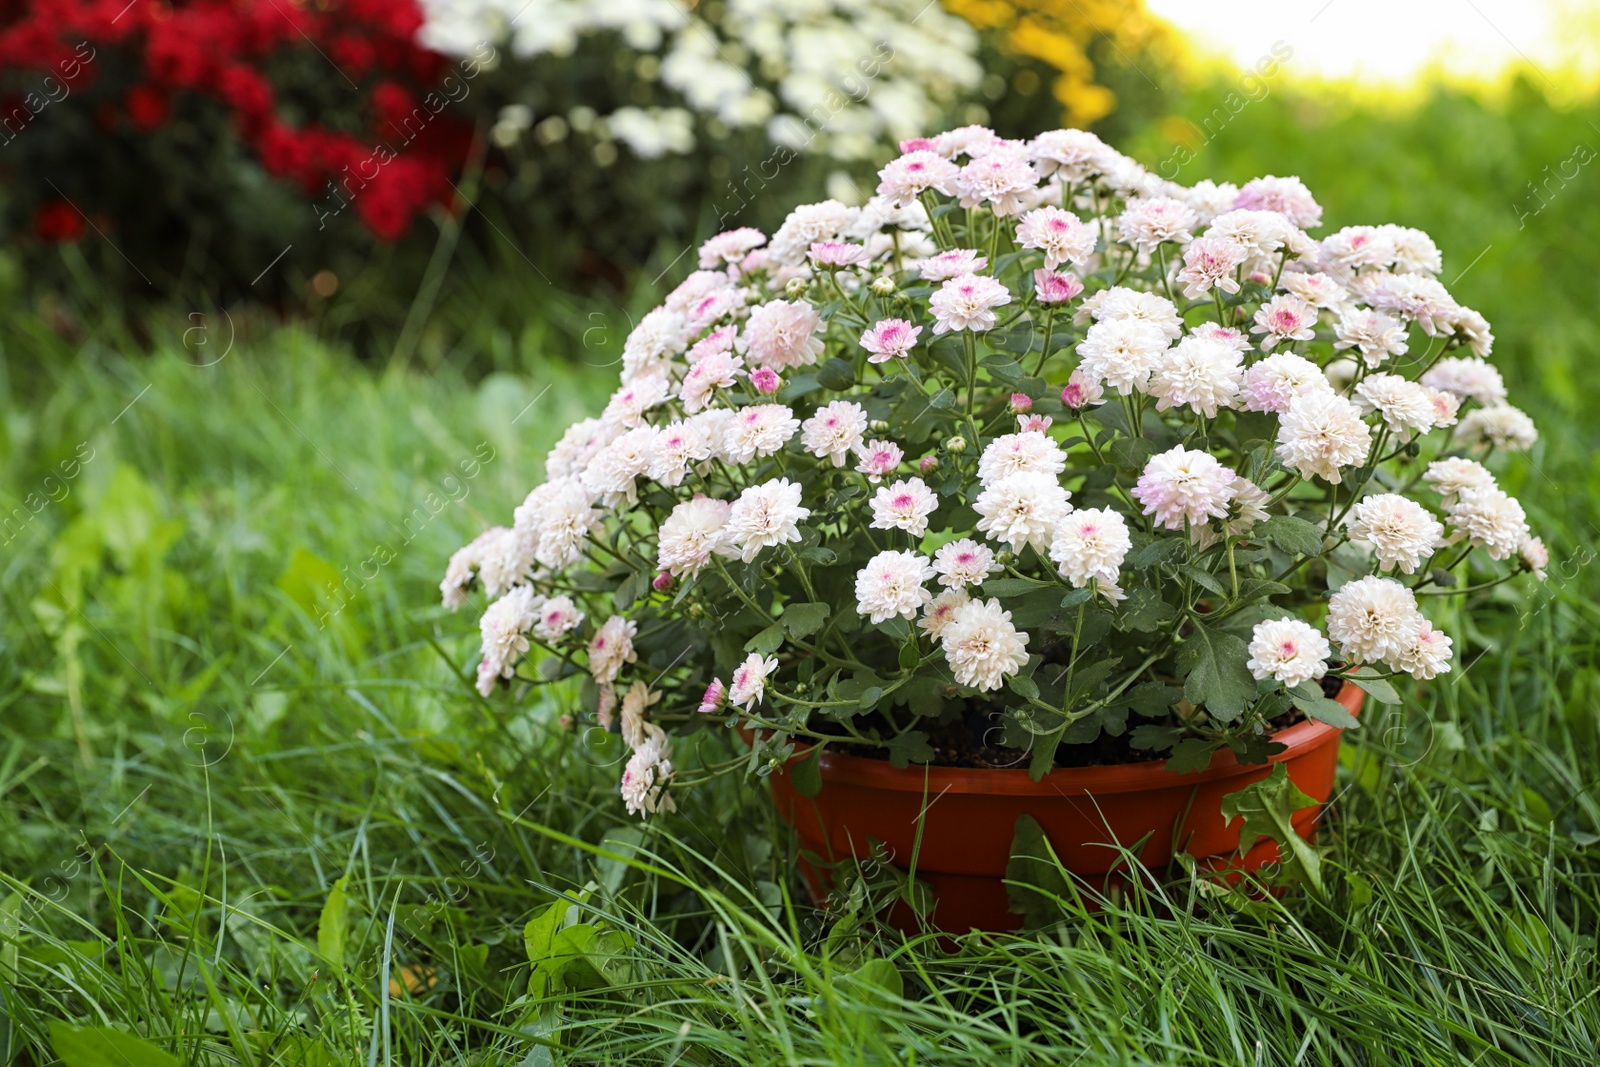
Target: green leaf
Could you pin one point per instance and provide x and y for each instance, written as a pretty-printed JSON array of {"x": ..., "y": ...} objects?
[
  {"x": 613, "y": 870},
  {"x": 332, "y": 925},
  {"x": 1004, "y": 587},
  {"x": 1377, "y": 688},
  {"x": 910, "y": 747},
  {"x": 803, "y": 620},
  {"x": 1257, "y": 588},
  {"x": 767, "y": 641},
  {"x": 1267, "y": 808},
  {"x": 1130, "y": 454},
  {"x": 1145, "y": 611},
  {"x": 910, "y": 655},
  {"x": 1024, "y": 686},
  {"x": 879, "y": 980},
  {"x": 1309, "y": 699},
  {"x": 1215, "y": 675},
  {"x": 836, "y": 374},
  {"x": 942, "y": 400},
  {"x": 103, "y": 1046},
  {"x": 1191, "y": 754},
  {"x": 806, "y": 775},
  {"x": 1151, "y": 737},
  {"x": 1295, "y": 536},
  {"x": 1151, "y": 699},
  {"x": 1203, "y": 578},
  {"x": 1036, "y": 883}
]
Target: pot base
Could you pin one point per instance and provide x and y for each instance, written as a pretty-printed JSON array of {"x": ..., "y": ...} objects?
[{"x": 966, "y": 817}]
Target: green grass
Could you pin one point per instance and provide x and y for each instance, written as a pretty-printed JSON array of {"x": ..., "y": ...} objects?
[{"x": 251, "y": 828}]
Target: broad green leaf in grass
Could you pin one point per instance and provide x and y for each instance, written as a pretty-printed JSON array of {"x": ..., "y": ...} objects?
[
  {"x": 1036, "y": 883},
  {"x": 613, "y": 870},
  {"x": 878, "y": 979},
  {"x": 103, "y": 1046},
  {"x": 332, "y": 925},
  {"x": 1267, "y": 808}
]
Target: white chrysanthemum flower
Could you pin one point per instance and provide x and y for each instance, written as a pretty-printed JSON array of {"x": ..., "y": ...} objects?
[
  {"x": 1120, "y": 302},
  {"x": 1285, "y": 317},
  {"x": 951, "y": 263},
  {"x": 504, "y": 628},
  {"x": 967, "y": 302},
  {"x": 1090, "y": 543},
  {"x": 1474, "y": 329},
  {"x": 713, "y": 371},
  {"x": 577, "y": 446},
  {"x": 1357, "y": 247},
  {"x": 1405, "y": 406},
  {"x": 806, "y": 225},
  {"x": 731, "y": 246},
  {"x": 1450, "y": 476},
  {"x": 1503, "y": 427},
  {"x": 782, "y": 334},
  {"x": 1320, "y": 433},
  {"x": 635, "y": 730},
  {"x": 1149, "y": 222},
  {"x": 714, "y": 423},
  {"x": 1429, "y": 654},
  {"x": 903, "y": 179},
  {"x": 611, "y": 647},
  {"x": 1020, "y": 453},
  {"x": 1402, "y": 532},
  {"x": 1060, "y": 235},
  {"x": 982, "y": 646},
  {"x": 612, "y": 474},
  {"x": 1534, "y": 556},
  {"x": 679, "y": 446},
  {"x": 1071, "y": 155},
  {"x": 1317, "y": 289},
  {"x": 1208, "y": 263},
  {"x": 628, "y": 404},
  {"x": 1374, "y": 620},
  {"x": 1417, "y": 298},
  {"x": 1122, "y": 353},
  {"x": 463, "y": 567},
  {"x": 835, "y": 431},
  {"x": 1414, "y": 250},
  {"x": 1491, "y": 520},
  {"x": 1287, "y": 196},
  {"x": 1210, "y": 199},
  {"x": 690, "y": 535},
  {"x": 558, "y": 616},
  {"x": 892, "y": 584},
  {"x": 1022, "y": 510},
  {"x": 1271, "y": 384},
  {"x": 569, "y": 520},
  {"x": 750, "y": 680},
  {"x": 1289, "y": 651},
  {"x": 1184, "y": 484},
  {"x": 506, "y": 561},
  {"x": 1374, "y": 334},
  {"x": 998, "y": 179},
  {"x": 1204, "y": 374},
  {"x": 941, "y": 610},
  {"x": 1467, "y": 377},
  {"x": 645, "y": 777},
  {"x": 904, "y": 505},
  {"x": 764, "y": 515},
  {"x": 1262, "y": 232},
  {"x": 963, "y": 562},
  {"x": 660, "y": 335},
  {"x": 758, "y": 430}
]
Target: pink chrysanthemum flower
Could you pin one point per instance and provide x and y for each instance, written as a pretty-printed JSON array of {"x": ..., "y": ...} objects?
[
  {"x": 1060, "y": 235},
  {"x": 1050, "y": 287},
  {"x": 905, "y": 178},
  {"x": 878, "y": 459},
  {"x": 1152, "y": 221},
  {"x": 730, "y": 247},
  {"x": 1210, "y": 262},
  {"x": 1285, "y": 318},
  {"x": 889, "y": 338},
  {"x": 952, "y": 263},
  {"x": 834, "y": 255}
]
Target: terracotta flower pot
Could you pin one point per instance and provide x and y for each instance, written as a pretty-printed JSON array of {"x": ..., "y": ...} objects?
[{"x": 969, "y": 814}]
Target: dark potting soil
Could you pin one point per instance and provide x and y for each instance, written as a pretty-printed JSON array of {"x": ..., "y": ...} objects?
[{"x": 972, "y": 740}]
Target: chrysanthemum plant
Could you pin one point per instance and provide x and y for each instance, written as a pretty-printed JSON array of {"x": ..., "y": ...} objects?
[{"x": 1033, "y": 447}]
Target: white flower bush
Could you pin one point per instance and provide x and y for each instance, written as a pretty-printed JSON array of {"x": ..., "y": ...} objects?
[
  {"x": 898, "y": 470},
  {"x": 834, "y": 77}
]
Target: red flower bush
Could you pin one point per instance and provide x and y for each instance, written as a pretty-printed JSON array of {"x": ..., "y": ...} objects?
[{"x": 238, "y": 57}]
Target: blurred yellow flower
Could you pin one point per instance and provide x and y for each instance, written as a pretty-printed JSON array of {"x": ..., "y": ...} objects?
[{"x": 1060, "y": 33}]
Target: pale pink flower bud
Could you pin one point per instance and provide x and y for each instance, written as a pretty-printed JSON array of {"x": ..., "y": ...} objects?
[
  {"x": 766, "y": 380},
  {"x": 928, "y": 464},
  {"x": 1021, "y": 403},
  {"x": 663, "y": 582},
  {"x": 713, "y": 698}
]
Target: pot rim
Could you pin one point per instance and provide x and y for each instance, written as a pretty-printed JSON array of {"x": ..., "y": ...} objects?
[{"x": 1145, "y": 776}]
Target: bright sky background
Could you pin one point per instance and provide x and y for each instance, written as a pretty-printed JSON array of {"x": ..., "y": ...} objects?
[{"x": 1391, "y": 41}]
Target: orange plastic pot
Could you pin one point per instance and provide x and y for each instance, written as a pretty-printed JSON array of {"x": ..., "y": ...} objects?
[{"x": 968, "y": 815}]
